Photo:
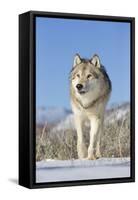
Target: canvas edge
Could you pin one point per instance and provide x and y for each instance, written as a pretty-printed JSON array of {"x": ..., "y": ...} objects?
[{"x": 29, "y": 178}]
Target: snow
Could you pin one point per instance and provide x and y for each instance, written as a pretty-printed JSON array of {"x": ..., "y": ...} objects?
[
  {"x": 68, "y": 170},
  {"x": 51, "y": 114},
  {"x": 67, "y": 123},
  {"x": 117, "y": 114}
]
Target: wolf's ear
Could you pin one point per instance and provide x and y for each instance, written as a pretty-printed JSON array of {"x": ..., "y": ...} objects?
[
  {"x": 77, "y": 60},
  {"x": 96, "y": 61}
]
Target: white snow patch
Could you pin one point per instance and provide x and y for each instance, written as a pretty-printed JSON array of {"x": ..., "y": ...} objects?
[
  {"x": 65, "y": 124},
  {"x": 117, "y": 114},
  {"x": 65, "y": 170}
]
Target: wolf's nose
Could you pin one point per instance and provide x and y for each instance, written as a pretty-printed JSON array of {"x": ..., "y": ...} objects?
[{"x": 79, "y": 86}]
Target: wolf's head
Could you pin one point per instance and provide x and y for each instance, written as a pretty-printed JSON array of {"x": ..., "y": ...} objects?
[{"x": 89, "y": 76}]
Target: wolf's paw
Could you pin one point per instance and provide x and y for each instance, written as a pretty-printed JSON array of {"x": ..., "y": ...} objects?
[
  {"x": 98, "y": 155},
  {"x": 91, "y": 157}
]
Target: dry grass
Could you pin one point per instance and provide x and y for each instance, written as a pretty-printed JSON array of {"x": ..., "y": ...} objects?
[{"x": 115, "y": 141}]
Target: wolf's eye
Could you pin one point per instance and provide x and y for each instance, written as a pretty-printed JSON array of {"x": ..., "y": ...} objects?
[
  {"x": 89, "y": 76},
  {"x": 78, "y": 75}
]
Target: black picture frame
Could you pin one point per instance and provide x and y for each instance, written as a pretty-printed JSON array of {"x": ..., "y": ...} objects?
[{"x": 27, "y": 101}]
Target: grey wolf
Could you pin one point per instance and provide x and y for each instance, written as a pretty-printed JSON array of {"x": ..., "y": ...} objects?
[{"x": 90, "y": 89}]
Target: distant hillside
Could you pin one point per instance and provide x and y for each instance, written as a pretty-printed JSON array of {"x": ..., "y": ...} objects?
[
  {"x": 51, "y": 115},
  {"x": 113, "y": 114},
  {"x": 63, "y": 118}
]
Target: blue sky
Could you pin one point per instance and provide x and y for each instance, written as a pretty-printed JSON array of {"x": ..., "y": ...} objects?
[{"x": 58, "y": 40}]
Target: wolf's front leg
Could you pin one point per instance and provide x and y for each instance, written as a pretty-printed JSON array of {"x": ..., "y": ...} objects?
[
  {"x": 94, "y": 123},
  {"x": 81, "y": 148},
  {"x": 98, "y": 140}
]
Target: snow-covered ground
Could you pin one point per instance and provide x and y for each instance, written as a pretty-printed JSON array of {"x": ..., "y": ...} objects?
[{"x": 68, "y": 170}]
